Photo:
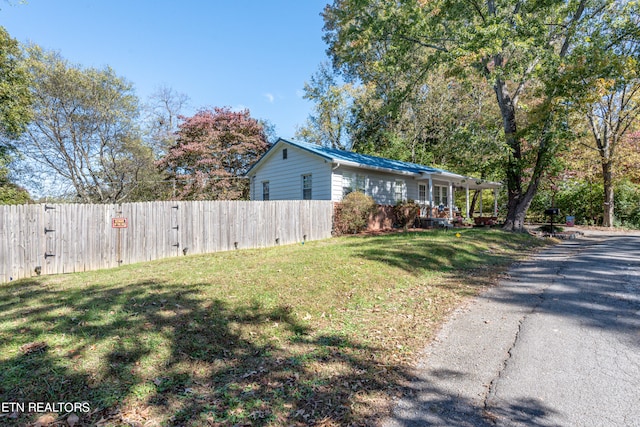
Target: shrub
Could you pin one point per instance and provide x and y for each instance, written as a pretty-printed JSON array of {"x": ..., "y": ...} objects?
[
  {"x": 352, "y": 214},
  {"x": 406, "y": 213}
]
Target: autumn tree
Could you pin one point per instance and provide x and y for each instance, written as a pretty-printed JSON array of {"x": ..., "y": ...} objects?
[
  {"x": 213, "y": 150},
  {"x": 83, "y": 133},
  {"x": 609, "y": 99},
  {"x": 520, "y": 49}
]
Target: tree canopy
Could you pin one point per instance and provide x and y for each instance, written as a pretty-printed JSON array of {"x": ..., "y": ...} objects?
[
  {"x": 83, "y": 131},
  {"x": 521, "y": 50},
  {"x": 213, "y": 150}
]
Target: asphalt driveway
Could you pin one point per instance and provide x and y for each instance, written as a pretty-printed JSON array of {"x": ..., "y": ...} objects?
[{"x": 556, "y": 344}]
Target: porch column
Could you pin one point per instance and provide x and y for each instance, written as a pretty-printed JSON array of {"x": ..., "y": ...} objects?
[
  {"x": 467, "y": 201},
  {"x": 495, "y": 202},
  {"x": 430, "y": 197},
  {"x": 450, "y": 200}
]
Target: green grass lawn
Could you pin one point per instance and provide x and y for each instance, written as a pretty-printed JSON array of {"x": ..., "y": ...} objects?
[{"x": 320, "y": 333}]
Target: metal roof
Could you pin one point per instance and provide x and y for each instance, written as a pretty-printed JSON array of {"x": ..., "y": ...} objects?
[{"x": 373, "y": 162}]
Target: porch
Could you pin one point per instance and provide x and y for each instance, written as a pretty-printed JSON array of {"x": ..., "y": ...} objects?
[{"x": 436, "y": 198}]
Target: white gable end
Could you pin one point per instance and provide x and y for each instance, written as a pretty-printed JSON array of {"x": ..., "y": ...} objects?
[{"x": 284, "y": 174}]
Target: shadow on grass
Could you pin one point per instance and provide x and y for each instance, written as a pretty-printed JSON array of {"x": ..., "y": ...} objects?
[
  {"x": 426, "y": 252},
  {"x": 151, "y": 351}
]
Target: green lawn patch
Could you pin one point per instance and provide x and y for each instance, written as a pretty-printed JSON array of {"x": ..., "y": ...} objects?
[{"x": 315, "y": 334}]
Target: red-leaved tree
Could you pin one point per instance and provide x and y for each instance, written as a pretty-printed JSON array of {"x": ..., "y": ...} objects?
[{"x": 213, "y": 150}]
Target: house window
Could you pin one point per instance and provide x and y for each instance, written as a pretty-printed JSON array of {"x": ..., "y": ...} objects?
[
  {"x": 440, "y": 195},
  {"x": 284, "y": 154},
  {"x": 398, "y": 190},
  {"x": 353, "y": 182},
  {"x": 347, "y": 184},
  {"x": 422, "y": 194},
  {"x": 306, "y": 187},
  {"x": 361, "y": 183},
  {"x": 265, "y": 190}
]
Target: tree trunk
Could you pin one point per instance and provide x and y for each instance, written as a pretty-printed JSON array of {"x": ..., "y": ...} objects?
[
  {"x": 607, "y": 176},
  {"x": 474, "y": 201},
  {"x": 517, "y": 202}
]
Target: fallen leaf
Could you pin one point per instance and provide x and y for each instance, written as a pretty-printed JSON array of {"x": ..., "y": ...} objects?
[
  {"x": 33, "y": 347},
  {"x": 44, "y": 420},
  {"x": 72, "y": 420}
]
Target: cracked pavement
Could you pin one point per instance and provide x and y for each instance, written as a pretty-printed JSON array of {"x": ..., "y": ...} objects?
[{"x": 557, "y": 343}]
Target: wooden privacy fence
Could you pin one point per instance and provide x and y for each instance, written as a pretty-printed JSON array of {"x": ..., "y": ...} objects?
[{"x": 65, "y": 238}]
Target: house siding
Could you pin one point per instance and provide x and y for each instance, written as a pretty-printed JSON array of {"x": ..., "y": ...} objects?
[
  {"x": 379, "y": 185},
  {"x": 285, "y": 175}
]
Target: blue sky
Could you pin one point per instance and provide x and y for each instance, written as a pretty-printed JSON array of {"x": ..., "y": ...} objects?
[{"x": 254, "y": 54}]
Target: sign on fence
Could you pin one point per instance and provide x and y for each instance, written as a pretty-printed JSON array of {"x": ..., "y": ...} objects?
[{"x": 118, "y": 222}]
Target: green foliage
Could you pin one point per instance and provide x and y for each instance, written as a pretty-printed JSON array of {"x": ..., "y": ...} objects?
[
  {"x": 406, "y": 213},
  {"x": 11, "y": 194},
  {"x": 330, "y": 123},
  {"x": 15, "y": 97},
  {"x": 352, "y": 214},
  {"x": 584, "y": 199}
]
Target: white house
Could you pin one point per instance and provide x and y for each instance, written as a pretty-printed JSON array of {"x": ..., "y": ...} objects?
[{"x": 292, "y": 170}]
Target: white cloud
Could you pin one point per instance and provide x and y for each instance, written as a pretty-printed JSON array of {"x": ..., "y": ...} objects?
[{"x": 269, "y": 97}]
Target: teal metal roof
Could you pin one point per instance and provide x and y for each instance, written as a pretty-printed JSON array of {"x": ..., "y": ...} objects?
[{"x": 365, "y": 161}]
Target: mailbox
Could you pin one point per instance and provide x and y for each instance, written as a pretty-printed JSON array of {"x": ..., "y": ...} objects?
[{"x": 552, "y": 211}]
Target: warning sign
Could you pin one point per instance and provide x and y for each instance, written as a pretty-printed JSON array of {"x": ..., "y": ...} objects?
[{"x": 119, "y": 222}]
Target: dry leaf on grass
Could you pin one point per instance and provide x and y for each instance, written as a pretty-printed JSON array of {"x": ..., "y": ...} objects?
[
  {"x": 72, "y": 420},
  {"x": 33, "y": 347},
  {"x": 44, "y": 421}
]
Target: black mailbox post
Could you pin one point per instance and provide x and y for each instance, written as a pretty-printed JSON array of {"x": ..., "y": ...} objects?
[{"x": 552, "y": 212}]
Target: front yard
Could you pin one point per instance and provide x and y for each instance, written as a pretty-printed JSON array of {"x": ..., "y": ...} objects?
[{"x": 320, "y": 333}]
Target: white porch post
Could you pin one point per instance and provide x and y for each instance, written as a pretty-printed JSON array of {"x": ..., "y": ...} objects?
[
  {"x": 495, "y": 202},
  {"x": 430, "y": 197},
  {"x": 467, "y": 201},
  {"x": 450, "y": 200}
]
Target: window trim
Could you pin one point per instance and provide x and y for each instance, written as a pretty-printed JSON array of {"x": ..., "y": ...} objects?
[{"x": 266, "y": 196}]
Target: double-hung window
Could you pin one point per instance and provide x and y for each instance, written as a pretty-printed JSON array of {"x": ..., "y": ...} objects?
[
  {"x": 353, "y": 182},
  {"x": 306, "y": 187},
  {"x": 398, "y": 190},
  {"x": 265, "y": 190}
]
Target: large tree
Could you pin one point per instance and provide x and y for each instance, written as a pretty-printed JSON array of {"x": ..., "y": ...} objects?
[
  {"x": 519, "y": 48},
  {"x": 609, "y": 99},
  {"x": 213, "y": 150},
  {"x": 329, "y": 124},
  {"x": 83, "y": 134}
]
